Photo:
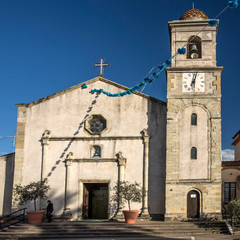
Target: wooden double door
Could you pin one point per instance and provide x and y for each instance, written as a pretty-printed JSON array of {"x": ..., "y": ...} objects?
[{"x": 95, "y": 200}]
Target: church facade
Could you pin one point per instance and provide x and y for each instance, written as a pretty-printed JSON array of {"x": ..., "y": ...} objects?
[{"x": 85, "y": 143}]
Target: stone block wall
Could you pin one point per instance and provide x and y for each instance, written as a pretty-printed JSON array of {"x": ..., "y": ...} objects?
[
  {"x": 209, "y": 187},
  {"x": 176, "y": 199}
]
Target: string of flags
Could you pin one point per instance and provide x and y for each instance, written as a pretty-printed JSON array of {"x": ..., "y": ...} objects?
[
  {"x": 155, "y": 71},
  {"x": 7, "y": 137}
]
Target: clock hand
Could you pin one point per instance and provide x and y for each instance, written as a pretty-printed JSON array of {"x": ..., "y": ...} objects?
[{"x": 194, "y": 79}]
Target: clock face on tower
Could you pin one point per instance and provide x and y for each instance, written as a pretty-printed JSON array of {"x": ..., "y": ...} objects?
[{"x": 193, "y": 82}]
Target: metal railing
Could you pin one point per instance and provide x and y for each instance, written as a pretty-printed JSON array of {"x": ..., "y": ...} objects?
[
  {"x": 12, "y": 218},
  {"x": 225, "y": 214}
]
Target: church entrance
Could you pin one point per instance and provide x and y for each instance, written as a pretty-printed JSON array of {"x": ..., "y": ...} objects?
[
  {"x": 193, "y": 204},
  {"x": 95, "y": 200}
]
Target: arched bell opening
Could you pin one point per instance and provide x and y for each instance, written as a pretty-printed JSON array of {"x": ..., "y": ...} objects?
[{"x": 194, "y": 47}]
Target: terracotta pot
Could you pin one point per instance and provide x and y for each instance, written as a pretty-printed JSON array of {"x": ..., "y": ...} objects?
[
  {"x": 130, "y": 216},
  {"x": 35, "y": 217}
]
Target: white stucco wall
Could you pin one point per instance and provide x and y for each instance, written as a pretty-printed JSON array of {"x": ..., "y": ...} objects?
[{"x": 64, "y": 115}]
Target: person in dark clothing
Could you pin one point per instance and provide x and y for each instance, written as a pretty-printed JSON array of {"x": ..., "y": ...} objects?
[{"x": 49, "y": 211}]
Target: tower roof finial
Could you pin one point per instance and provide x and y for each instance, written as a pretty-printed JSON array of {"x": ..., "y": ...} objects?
[{"x": 193, "y": 5}]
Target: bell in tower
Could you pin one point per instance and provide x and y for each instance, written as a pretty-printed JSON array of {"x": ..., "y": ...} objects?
[
  {"x": 194, "y": 48},
  {"x": 194, "y": 51}
]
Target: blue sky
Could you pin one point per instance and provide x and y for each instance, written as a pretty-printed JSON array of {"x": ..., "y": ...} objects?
[{"x": 49, "y": 45}]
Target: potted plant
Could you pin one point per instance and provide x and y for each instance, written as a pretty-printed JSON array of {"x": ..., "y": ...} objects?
[
  {"x": 126, "y": 192},
  {"x": 32, "y": 191}
]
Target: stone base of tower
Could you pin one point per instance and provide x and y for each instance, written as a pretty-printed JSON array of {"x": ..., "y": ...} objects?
[{"x": 179, "y": 197}]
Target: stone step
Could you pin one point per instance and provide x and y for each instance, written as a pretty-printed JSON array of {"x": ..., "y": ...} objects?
[
  {"x": 94, "y": 235},
  {"x": 105, "y": 227},
  {"x": 102, "y": 237},
  {"x": 57, "y": 229},
  {"x": 60, "y": 230},
  {"x": 114, "y": 236},
  {"x": 162, "y": 224},
  {"x": 101, "y": 234},
  {"x": 66, "y": 230},
  {"x": 118, "y": 231}
]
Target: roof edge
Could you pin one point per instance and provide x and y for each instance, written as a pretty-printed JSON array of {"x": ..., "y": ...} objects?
[
  {"x": 230, "y": 164},
  {"x": 136, "y": 92},
  {"x": 238, "y": 133},
  {"x": 98, "y": 78},
  {"x": 55, "y": 94},
  {"x": 7, "y": 154},
  {"x": 21, "y": 104}
]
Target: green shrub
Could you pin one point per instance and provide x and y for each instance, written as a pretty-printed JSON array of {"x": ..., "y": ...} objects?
[
  {"x": 32, "y": 191},
  {"x": 127, "y": 192},
  {"x": 233, "y": 208}
]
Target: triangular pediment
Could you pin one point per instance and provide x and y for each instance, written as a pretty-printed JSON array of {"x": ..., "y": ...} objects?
[{"x": 80, "y": 85}]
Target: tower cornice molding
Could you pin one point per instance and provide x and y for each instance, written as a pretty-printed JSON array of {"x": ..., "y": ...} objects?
[
  {"x": 192, "y": 95},
  {"x": 193, "y": 69},
  {"x": 195, "y": 23}
]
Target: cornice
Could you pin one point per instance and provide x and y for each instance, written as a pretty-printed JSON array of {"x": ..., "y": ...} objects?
[
  {"x": 98, "y": 138},
  {"x": 92, "y": 160},
  {"x": 192, "y": 23},
  {"x": 193, "y": 69},
  {"x": 190, "y": 96}
]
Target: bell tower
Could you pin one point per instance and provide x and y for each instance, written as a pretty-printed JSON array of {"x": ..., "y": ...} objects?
[{"x": 193, "y": 163}]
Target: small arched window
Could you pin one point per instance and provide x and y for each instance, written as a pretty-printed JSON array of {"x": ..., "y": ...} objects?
[
  {"x": 193, "y": 153},
  {"x": 96, "y": 151},
  {"x": 194, "y": 47},
  {"x": 194, "y": 119}
]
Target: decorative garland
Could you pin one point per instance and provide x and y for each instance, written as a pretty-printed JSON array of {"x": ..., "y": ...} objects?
[
  {"x": 233, "y": 4},
  {"x": 155, "y": 71},
  {"x": 84, "y": 85}
]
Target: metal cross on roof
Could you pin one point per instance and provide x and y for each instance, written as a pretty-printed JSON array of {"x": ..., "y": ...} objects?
[{"x": 101, "y": 65}]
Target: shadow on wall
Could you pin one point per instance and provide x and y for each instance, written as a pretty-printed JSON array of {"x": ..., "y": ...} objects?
[
  {"x": 8, "y": 184},
  {"x": 63, "y": 154},
  {"x": 59, "y": 202},
  {"x": 157, "y": 156}
]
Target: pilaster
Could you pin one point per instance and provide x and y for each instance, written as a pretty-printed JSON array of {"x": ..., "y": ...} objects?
[
  {"x": 45, "y": 144},
  {"x": 121, "y": 164},
  {"x": 146, "y": 138},
  {"x": 68, "y": 187}
]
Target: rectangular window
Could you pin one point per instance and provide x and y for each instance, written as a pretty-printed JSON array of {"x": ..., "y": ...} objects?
[{"x": 229, "y": 191}]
